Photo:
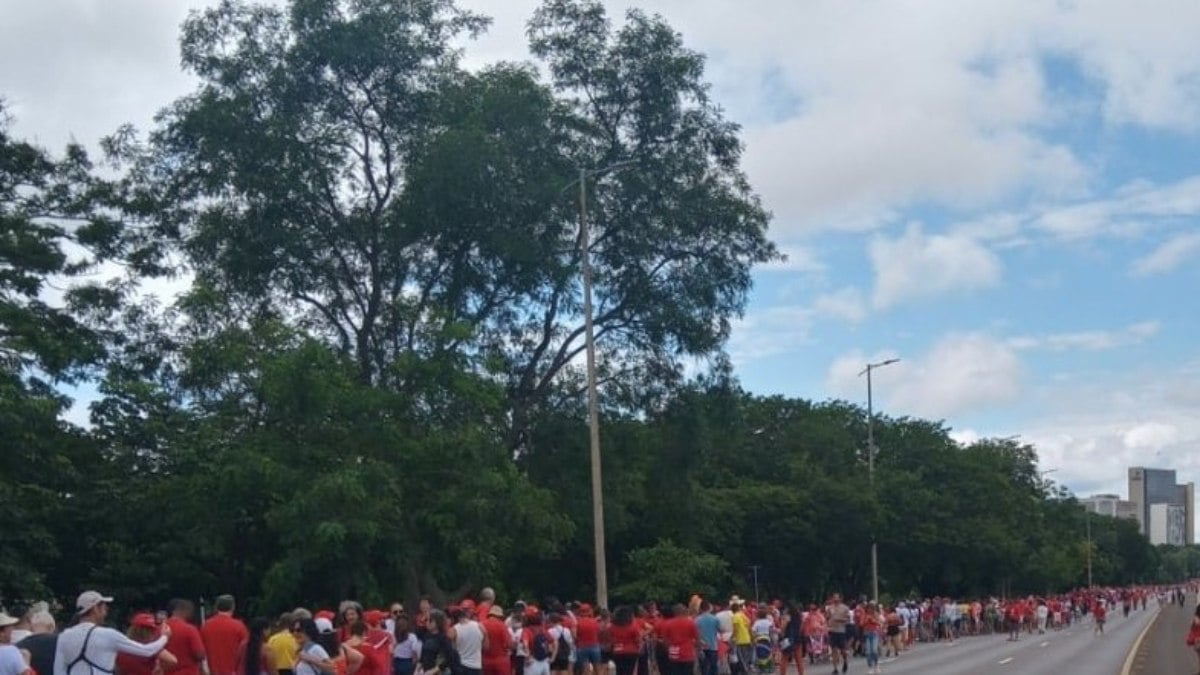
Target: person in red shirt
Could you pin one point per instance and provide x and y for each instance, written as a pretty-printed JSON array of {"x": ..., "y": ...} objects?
[
  {"x": 225, "y": 639},
  {"x": 1099, "y": 615},
  {"x": 626, "y": 636},
  {"x": 143, "y": 628},
  {"x": 587, "y": 640},
  {"x": 679, "y": 633},
  {"x": 349, "y": 613},
  {"x": 185, "y": 643},
  {"x": 498, "y": 643},
  {"x": 377, "y": 643}
]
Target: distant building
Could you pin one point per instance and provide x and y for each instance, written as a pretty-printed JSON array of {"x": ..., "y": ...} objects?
[
  {"x": 1164, "y": 510},
  {"x": 1110, "y": 505},
  {"x": 1167, "y": 524}
]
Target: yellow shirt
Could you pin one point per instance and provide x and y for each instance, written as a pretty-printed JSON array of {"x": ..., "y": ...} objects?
[
  {"x": 283, "y": 649},
  {"x": 741, "y": 629}
]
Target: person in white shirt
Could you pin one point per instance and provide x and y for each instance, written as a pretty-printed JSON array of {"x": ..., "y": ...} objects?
[
  {"x": 90, "y": 648},
  {"x": 12, "y": 661},
  {"x": 469, "y": 640}
]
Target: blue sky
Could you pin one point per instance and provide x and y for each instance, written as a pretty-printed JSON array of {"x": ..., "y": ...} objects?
[{"x": 1005, "y": 195}]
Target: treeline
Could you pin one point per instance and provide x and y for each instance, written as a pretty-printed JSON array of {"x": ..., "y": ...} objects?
[{"x": 372, "y": 387}]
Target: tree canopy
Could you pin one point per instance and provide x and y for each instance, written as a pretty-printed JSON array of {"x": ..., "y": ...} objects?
[{"x": 372, "y": 386}]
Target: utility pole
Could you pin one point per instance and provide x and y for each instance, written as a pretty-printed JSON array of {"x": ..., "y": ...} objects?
[
  {"x": 585, "y": 265},
  {"x": 755, "y": 569},
  {"x": 871, "y": 469},
  {"x": 1087, "y": 519}
]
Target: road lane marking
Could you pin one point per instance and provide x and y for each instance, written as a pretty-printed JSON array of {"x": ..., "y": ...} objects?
[
  {"x": 1006, "y": 661},
  {"x": 1128, "y": 667},
  {"x": 1044, "y": 644}
]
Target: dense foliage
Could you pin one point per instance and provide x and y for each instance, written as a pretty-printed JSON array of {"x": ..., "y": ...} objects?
[{"x": 372, "y": 387}]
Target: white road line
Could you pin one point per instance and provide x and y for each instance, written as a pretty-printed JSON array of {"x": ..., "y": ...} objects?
[
  {"x": 1044, "y": 644},
  {"x": 1006, "y": 661}
]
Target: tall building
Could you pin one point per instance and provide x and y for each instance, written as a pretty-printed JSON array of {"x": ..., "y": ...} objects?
[
  {"x": 1174, "y": 519},
  {"x": 1167, "y": 522}
]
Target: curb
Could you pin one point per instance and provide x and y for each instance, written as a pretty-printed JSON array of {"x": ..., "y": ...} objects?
[{"x": 1127, "y": 669}]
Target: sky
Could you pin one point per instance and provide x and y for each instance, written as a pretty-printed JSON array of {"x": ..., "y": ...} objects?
[{"x": 1005, "y": 195}]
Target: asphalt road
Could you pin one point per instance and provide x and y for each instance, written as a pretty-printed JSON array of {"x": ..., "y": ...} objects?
[
  {"x": 1164, "y": 651},
  {"x": 1068, "y": 652}
]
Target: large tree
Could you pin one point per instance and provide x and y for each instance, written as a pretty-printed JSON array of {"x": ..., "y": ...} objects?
[
  {"x": 53, "y": 234},
  {"x": 340, "y": 170}
]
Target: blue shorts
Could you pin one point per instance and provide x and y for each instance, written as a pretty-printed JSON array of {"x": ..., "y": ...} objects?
[{"x": 588, "y": 655}]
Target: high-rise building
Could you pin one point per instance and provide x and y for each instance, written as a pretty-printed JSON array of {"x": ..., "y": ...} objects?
[
  {"x": 1150, "y": 488},
  {"x": 1167, "y": 522}
]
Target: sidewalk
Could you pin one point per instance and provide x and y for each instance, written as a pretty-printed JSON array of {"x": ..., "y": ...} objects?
[{"x": 1164, "y": 652}]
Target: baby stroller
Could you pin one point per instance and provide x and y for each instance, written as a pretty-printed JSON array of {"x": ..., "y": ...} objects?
[
  {"x": 818, "y": 647},
  {"x": 764, "y": 654}
]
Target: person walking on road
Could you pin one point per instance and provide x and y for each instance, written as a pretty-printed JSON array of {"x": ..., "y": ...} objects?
[{"x": 1193, "y": 636}]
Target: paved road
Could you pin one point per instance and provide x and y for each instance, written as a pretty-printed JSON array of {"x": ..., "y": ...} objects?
[
  {"x": 1068, "y": 652},
  {"x": 1164, "y": 651}
]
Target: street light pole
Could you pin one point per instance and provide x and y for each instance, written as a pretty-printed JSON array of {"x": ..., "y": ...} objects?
[
  {"x": 1087, "y": 519},
  {"x": 871, "y": 469},
  {"x": 585, "y": 265}
]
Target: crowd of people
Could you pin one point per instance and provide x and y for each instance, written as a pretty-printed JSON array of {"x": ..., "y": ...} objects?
[{"x": 476, "y": 636}]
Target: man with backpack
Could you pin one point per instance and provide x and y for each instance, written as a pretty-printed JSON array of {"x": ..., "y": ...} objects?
[{"x": 91, "y": 648}]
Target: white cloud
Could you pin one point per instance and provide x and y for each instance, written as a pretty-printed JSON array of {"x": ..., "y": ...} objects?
[
  {"x": 797, "y": 258},
  {"x": 916, "y": 266},
  {"x": 960, "y": 374},
  {"x": 785, "y": 328},
  {"x": 1169, "y": 255},
  {"x": 846, "y": 304},
  {"x": 1093, "y": 430},
  {"x": 1132, "y": 207},
  {"x": 1092, "y": 340}
]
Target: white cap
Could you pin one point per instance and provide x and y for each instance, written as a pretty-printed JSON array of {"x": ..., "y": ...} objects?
[
  {"x": 6, "y": 620},
  {"x": 89, "y": 599},
  {"x": 324, "y": 625}
]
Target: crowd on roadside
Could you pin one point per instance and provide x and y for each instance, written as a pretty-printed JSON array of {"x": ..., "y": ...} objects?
[{"x": 477, "y": 636}]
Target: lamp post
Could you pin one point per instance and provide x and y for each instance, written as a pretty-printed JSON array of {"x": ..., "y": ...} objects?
[
  {"x": 1087, "y": 523},
  {"x": 871, "y": 469},
  {"x": 585, "y": 265}
]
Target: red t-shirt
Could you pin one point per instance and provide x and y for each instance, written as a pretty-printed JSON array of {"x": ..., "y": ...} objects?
[
  {"x": 186, "y": 646},
  {"x": 225, "y": 641},
  {"x": 499, "y": 642},
  {"x": 1099, "y": 610},
  {"x": 626, "y": 640},
  {"x": 681, "y": 636},
  {"x": 376, "y": 647},
  {"x": 128, "y": 664},
  {"x": 587, "y": 633}
]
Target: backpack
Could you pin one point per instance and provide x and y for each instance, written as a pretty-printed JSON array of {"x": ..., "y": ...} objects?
[
  {"x": 564, "y": 645},
  {"x": 541, "y": 646}
]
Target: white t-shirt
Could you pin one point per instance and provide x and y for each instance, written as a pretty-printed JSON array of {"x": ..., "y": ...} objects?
[
  {"x": 762, "y": 627},
  {"x": 18, "y": 634},
  {"x": 306, "y": 668},
  {"x": 725, "y": 623},
  {"x": 102, "y": 649},
  {"x": 11, "y": 661},
  {"x": 409, "y": 648},
  {"x": 469, "y": 643}
]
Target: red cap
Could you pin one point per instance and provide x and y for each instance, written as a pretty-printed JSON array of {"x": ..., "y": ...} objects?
[
  {"x": 532, "y": 612},
  {"x": 324, "y": 614},
  {"x": 374, "y": 617},
  {"x": 143, "y": 620}
]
